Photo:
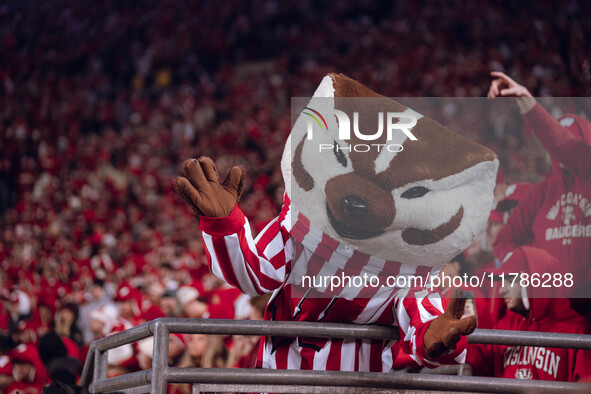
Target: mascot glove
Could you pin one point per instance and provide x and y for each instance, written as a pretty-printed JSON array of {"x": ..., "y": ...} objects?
[
  {"x": 445, "y": 331},
  {"x": 202, "y": 190}
]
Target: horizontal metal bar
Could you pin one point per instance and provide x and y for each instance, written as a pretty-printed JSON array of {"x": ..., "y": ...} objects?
[
  {"x": 127, "y": 381},
  {"x": 332, "y": 330},
  {"x": 336, "y": 330},
  {"x": 457, "y": 369},
  {"x": 124, "y": 337},
  {"x": 365, "y": 379},
  {"x": 268, "y": 388},
  {"x": 278, "y": 328},
  {"x": 529, "y": 338},
  {"x": 136, "y": 390}
]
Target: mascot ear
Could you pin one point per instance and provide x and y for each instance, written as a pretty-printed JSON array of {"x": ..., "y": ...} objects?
[
  {"x": 286, "y": 166},
  {"x": 323, "y": 98}
]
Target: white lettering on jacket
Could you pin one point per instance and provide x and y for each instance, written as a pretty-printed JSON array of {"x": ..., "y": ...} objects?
[{"x": 534, "y": 357}]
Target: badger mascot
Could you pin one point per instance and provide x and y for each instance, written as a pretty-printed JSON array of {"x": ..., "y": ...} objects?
[{"x": 378, "y": 206}]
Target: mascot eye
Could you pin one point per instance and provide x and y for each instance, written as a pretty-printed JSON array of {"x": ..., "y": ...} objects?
[
  {"x": 415, "y": 192},
  {"x": 341, "y": 158}
]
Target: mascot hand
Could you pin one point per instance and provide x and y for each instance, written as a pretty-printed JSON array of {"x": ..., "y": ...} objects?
[
  {"x": 445, "y": 331},
  {"x": 202, "y": 190}
]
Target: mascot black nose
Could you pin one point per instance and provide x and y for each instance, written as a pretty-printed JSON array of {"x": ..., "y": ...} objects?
[{"x": 354, "y": 207}]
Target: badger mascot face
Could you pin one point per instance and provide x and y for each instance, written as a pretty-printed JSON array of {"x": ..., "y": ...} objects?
[
  {"x": 372, "y": 187},
  {"x": 416, "y": 201}
]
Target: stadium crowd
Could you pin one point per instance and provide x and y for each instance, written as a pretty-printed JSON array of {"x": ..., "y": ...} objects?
[{"x": 102, "y": 101}]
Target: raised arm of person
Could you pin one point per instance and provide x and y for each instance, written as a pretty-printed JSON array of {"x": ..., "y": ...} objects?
[
  {"x": 518, "y": 230},
  {"x": 254, "y": 266},
  {"x": 569, "y": 147}
]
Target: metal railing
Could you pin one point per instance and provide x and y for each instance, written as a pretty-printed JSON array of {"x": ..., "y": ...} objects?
[{"x": 156, "y": 379}]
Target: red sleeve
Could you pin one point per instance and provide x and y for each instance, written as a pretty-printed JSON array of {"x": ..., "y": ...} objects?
[
  {"x": 518, "y": 230},
  {"x": 562, "y": 145},
  {"x": 414, "y": 314},
  {"x": 71, "y": 347},
  {"x": 254, "y": 266}
]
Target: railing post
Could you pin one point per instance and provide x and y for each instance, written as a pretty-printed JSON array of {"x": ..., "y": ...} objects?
[
  {"x": 88, "y": 370},
  {"x": 101, "y": 364},
  {"x": 160, "y": 358}
]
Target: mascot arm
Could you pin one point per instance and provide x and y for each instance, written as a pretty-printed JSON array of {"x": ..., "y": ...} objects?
[
  {"x": 562, "y": 145},
  {"x": 421, "y": 320},
  {"x": 254, "y": 266}
]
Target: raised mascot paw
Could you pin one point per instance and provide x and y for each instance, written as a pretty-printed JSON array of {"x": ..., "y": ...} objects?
[
  {"x": 202, "y": 190},
  {"x": 445, "y": 331}
]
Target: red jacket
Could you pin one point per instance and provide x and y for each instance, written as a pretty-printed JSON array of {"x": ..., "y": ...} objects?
[
  {"x": 556, "y": 214},
  {"x": 545, "y": 315},
  {"x": 489, "y": 307},
  {"x": 28, "y": 353}
]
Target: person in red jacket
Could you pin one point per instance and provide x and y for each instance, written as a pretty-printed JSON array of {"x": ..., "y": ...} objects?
[
  {"x": 531, "y": 310},
  {"x": 29, "y": 373},
  {"x": 556, "y": 214}
]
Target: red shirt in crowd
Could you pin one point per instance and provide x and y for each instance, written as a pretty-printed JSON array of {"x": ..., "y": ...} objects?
[
  {"x": 545, "y": 315},
  {"x": 556, "y": 214}
]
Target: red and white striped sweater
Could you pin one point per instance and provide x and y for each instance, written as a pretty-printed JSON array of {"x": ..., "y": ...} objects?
[{"x": 276, "y": 261}]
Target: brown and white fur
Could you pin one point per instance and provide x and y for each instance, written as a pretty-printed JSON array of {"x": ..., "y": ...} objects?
[{"x": 397, "y": 222}]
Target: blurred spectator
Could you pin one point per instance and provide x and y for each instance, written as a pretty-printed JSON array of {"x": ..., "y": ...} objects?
[
  {"x": 176, "y": 348},
  {"x": 203, "y": 351},
  {"x": 18, "y": 306},
  {"x": 28, "y": 372},
  {"x": 104, "y": 321},
  {"x": 129, "y": 303},
  {"x": 64, "y": 370},
  {"x": 66, "y": 323},
  {"x": 97, "y": 298},
  {"x": 169, "y": 304},
  {"x": 244, "y": 350}
]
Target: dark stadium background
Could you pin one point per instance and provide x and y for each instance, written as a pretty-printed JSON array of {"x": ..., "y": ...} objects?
[{"x": 100, "y": 103}]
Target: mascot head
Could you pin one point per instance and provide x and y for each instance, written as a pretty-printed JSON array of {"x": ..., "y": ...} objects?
[{"x": 385, "y": 180}]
